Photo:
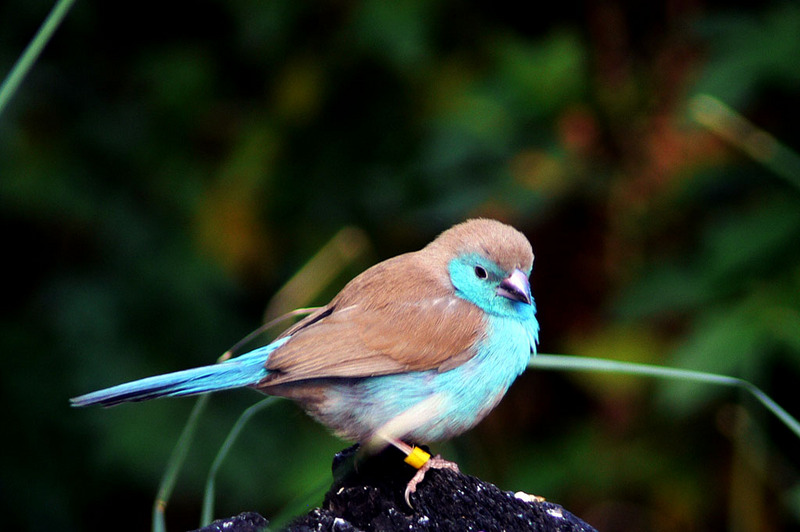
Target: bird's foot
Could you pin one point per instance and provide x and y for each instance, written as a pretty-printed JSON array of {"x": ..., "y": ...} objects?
[{"x": 437, "y": 462}]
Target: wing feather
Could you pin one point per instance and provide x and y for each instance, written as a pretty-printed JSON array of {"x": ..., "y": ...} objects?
[{"x": 400, "y": 315}]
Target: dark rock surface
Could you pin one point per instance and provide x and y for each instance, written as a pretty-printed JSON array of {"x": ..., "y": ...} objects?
[{"x": 368, "y": 495}]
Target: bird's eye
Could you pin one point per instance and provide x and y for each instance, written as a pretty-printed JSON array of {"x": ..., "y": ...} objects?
[{"x": 480, "y": 272}]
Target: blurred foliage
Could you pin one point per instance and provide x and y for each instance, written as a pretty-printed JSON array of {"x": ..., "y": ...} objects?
[{"x": 166, "y": 169}]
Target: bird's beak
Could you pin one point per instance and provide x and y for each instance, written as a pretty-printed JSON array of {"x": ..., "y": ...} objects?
[{"x": 516, "y": 287}]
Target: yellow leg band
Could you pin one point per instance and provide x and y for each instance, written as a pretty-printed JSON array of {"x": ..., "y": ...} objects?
[{"x": 417, "y": 458}]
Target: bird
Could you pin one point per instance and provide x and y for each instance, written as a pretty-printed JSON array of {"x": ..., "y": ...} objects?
[{"x": 416, "y": 349}]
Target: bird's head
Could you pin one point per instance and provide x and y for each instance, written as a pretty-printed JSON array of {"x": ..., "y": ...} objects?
[{"x": 488, "y": 264}]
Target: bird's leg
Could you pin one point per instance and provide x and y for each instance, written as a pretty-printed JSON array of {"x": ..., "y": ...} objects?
[
  {"x": 437, "y": 462},
  {"x": 422, "y": 461},
  {"x": 405, "y": 423}
]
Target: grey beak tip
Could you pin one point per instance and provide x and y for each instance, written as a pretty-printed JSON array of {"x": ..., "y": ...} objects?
[{"x": 516, "y": 287}]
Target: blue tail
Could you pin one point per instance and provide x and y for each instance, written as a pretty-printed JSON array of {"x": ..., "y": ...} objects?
[{"x": 238, "y": 372}]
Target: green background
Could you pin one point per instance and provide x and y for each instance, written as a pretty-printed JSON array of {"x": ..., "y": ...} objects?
[{"x": 168, "y": 166}]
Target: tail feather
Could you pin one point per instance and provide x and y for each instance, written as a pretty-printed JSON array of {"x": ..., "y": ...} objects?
[{"x": 238, "y": 372}]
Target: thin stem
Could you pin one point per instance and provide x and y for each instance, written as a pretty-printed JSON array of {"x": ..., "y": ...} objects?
[
  {"x": 574, "y": 363},
  {"x": 735, "y": 128},
  {"x": 208, "y": 498},
  {"x": 174, "y": 465},
  {"x": 238, "y": 345},
  {"x": 31, "y": 53}
]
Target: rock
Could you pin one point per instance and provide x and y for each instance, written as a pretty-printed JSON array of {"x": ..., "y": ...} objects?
[
  {"x": 368, "y": 495},
  {"x": 244, "y": 522}
]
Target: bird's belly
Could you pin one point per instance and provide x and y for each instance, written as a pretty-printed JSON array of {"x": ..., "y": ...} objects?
[{"x": 426, "y": 406}]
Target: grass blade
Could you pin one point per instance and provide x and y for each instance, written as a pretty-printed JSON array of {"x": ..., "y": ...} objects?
[
  {"x": 208, "y": 498},
  {"x": 174, "y": 465},
  {"x": 574, "y": 363},
  {"x": 732, "y": 126},
  {"x": 32, "y": 51}
]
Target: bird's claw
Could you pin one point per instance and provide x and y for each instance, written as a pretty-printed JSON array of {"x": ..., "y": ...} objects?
[{"x": 437, "y": 462}]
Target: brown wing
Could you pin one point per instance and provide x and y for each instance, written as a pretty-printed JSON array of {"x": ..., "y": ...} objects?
[{"x": 397, "y": 316}]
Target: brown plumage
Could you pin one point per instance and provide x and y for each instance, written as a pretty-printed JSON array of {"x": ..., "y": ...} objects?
[{"x": 400, "y": 315}]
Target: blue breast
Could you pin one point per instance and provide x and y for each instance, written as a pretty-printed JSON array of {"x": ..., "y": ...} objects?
[{"x": 465, "y": 394}]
